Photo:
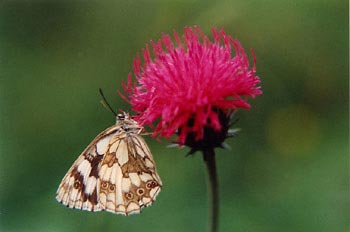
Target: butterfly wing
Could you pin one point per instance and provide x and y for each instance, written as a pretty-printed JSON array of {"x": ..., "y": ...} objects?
[
  {"x": 116, "y": 173},
  {"x": 79, "y": 187},
  {"x": 128, "y": 177}
]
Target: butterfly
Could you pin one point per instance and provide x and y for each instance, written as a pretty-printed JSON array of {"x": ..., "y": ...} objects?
[{"x": 115, "y": 173}]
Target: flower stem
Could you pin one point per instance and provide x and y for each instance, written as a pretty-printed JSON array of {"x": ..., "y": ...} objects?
[{"x": 209, "y": 159}]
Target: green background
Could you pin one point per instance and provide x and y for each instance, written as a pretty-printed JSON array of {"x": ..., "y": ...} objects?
[{"x": 286, "y": 171}]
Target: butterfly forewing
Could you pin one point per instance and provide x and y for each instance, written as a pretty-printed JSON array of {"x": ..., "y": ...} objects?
[{"x": 116, "y": 173}]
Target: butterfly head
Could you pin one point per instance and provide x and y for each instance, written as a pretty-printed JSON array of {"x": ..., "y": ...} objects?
[
  {"x": 123, "y": 116},
  {"x": 128, "y": 124}
]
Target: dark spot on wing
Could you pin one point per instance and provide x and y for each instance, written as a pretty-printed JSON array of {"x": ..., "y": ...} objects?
[
  {"x": 93, "y": 197},
  {"x": 78, "y": 183},
  {"x": 95, "y": 165}
]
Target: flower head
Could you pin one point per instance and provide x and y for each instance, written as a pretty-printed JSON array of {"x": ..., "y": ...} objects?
[{"x": 191, "y": 86}]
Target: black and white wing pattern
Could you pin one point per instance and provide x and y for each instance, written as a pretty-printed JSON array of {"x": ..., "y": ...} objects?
[{"x": 115, "y": 173}]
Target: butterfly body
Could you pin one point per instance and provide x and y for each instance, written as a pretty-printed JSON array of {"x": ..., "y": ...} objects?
[{"x": 115, "y": 173}]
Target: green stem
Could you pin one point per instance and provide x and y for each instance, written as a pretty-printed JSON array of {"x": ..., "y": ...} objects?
[{"x": 209, "y": 159}]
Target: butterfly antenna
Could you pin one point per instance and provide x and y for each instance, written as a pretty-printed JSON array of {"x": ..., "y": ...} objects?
[{"x": 105, "y": 103}]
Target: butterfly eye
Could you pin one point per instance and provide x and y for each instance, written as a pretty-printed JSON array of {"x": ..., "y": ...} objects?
[
  {"x": 76, "y": 184},
  {"x": 121, "y": 116}
]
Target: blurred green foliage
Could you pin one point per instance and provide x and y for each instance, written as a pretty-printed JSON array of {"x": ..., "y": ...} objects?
[{"x": 288, "y": 169}]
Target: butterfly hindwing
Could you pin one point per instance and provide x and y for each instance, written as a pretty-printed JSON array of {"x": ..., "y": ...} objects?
[
  {"x": 128, "y": 178},
  {"x": 116, "y": 173}
]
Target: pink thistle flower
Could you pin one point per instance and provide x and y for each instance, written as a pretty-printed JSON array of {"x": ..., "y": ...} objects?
[{"x": 192, "y": 87}]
